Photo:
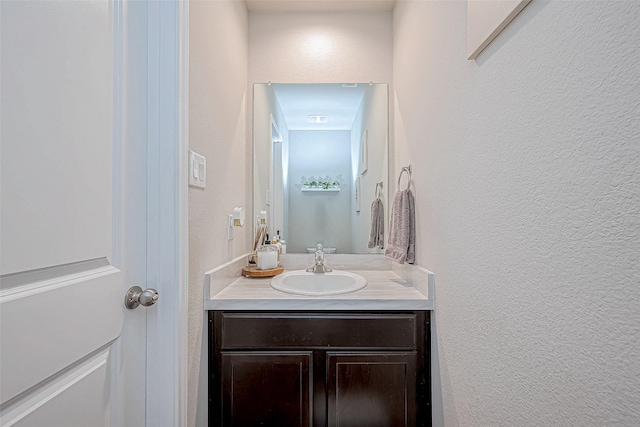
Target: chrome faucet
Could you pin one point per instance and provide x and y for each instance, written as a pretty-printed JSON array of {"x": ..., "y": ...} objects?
[{"x": 318, "y": 266}]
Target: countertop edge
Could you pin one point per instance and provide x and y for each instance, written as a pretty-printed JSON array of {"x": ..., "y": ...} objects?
[{"x": 319, "y": 305}]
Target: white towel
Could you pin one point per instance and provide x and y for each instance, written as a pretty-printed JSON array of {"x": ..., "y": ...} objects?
[
  {"x": 376, "y": 236},
  {"x": 402, "y": 228}
]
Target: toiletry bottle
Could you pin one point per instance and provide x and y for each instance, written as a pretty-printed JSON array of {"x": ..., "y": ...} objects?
[
  {"x": 268, "y": 244},
  {"x": 276, "y": 241},
  {"x": 283, "y": 246},
  {"x": 252, "y": 259}
]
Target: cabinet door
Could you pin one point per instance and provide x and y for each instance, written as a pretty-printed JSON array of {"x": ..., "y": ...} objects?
[
  {"x": 266, "y": 388},
  {"x": 371, "y": 389}
]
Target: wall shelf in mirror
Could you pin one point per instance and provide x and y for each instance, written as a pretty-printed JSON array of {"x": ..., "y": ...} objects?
[{"x": 320, "y": 189}]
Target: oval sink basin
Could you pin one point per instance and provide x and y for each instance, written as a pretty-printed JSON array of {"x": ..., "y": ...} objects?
[{"x": 302, "y": 283}]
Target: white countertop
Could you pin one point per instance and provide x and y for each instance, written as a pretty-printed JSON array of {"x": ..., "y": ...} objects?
[{"x": 385, "y": 290}]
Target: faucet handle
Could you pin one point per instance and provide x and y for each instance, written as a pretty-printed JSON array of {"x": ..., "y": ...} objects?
[{"x": 319, "y": 266}]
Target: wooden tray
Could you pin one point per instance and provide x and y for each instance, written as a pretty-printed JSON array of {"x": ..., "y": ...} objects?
[{"x": 255, "y": 272}]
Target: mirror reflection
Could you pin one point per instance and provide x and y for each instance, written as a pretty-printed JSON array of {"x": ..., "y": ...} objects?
[{"x": 320, "y": 156}]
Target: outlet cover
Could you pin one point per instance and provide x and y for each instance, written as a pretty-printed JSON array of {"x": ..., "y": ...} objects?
[{"x": 230, "y": 228}]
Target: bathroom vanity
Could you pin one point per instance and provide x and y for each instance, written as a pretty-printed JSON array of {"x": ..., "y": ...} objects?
[
  {"x": 357, "y": 359},
  {"x": 319, "y": 368}
]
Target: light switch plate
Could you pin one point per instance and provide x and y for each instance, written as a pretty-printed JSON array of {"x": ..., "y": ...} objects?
[{"x": 197, "y": 170}]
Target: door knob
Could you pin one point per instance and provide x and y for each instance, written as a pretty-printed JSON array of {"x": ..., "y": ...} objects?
[{"x": 136, "y": 296}]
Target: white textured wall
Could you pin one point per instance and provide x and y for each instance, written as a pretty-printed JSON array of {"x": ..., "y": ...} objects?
[
  {"x": 527, "y": 171},
  {"x": 320, "y": 47},
  {"x": 217, "y": 115}
]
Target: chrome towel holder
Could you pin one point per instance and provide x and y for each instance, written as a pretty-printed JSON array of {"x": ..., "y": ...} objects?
[
  {"x": 378, "y": 189},
  {"x": 406, "y": 169}
]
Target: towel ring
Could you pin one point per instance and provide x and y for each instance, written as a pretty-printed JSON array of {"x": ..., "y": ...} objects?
[
  {"x": 406, "y": 169},
  {"x": 378, "y": 190}
]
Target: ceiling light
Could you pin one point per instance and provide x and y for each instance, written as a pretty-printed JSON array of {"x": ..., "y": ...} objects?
[{"x": 318, "y": 119}]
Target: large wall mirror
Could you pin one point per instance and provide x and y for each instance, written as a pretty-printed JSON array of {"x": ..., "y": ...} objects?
[{"x": 320, "y": 159}]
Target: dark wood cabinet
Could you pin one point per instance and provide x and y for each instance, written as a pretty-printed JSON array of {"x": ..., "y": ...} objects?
[
  {"x": 319, "y": 369},
  {"x": 266, "y": 388},
  {"x": 371, "y": 389}
]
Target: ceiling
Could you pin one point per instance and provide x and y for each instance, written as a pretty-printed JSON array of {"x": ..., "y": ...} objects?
[
  {"x": 320, "y": 5},
  {"x": 299, "y": 101}
]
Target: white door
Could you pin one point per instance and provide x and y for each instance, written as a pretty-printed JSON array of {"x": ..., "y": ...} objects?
[{"x": 73, "y": 226}]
